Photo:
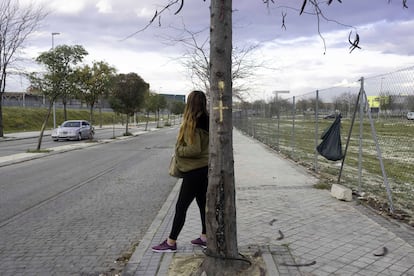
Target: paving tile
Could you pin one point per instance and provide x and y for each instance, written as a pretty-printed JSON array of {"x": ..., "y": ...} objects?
[{"x": 274, "y": 194}]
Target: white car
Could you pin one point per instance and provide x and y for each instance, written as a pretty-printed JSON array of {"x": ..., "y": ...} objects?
[
  {"x": 73, "y": 130},
  {"x": 410, "y": 115}
]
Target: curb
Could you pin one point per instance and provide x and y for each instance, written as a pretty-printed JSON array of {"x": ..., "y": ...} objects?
[
  {"x": 23, "y": 157},
  {"x": 145, "y": 243}
]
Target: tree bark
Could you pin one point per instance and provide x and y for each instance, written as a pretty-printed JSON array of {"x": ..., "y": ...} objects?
[
  {"x": 221, "y": 208},
  {"x": 42, "y": 130},
  {"x": 65, "y": 114},
  {"x": 126, "y": 125},
  {"x": 91, "y": 114},
  {"x": 1, "y": 116}
]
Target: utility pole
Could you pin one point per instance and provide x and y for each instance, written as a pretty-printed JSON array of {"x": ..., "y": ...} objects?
[{"x": 54, "y": 105}]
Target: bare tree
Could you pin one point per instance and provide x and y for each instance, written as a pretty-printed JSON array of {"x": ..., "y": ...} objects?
[
  {"x": 16, "y": 24},
  {"x": 196, "y": 59},
  {"x": 345, "y": 102}
]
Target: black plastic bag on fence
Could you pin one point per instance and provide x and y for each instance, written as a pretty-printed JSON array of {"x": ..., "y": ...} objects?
[{"x": 331, "y": 146}]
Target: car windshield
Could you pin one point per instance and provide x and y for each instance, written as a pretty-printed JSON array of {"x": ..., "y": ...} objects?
[{"x": 71, "y": 124}]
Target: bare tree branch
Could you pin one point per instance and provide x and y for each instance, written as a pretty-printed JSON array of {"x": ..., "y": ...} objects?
[
  {"x": 158, "y": 14},
  {"x": 354, "y": 44},
  {"x": 314, "y": 11},
  {"x": 16, "y": 24},
  {"x": 404, "y": 2},
  {"x": 303, "y": 7},
  {"x": 179, "y": 9},
  {"x": 196, "y": 59},
  {"x": 320, "y": 15},
  {"x": 283, "y": 20}
]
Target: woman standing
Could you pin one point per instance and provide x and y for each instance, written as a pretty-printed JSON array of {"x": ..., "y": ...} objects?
[{"x": 191, "y": 152}]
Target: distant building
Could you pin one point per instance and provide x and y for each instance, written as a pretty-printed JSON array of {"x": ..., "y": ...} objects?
[
  {"x": 174, "y": 98},
  {"x": 375, "y": 102}
]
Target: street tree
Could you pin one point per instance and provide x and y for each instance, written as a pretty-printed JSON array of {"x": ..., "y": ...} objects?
[
  {"x": 222, "y": 252},
  {"x": 177, "y": 107},
  {"x": 94, "y": 83},
  {"x": 60, "y": 63},
  {"x": 58, "y": 77},
  {"x": 149, "y": 107},
  {"x": 303, "y": 105},
  {"x": 44, "y": 83},
  {"x": 16, "y": 24},
  {"x": 155, "y": 103},
  {"x": 410, "y": 103},
  {"x": 386, "y": 102},
  {"x": 128, "y": 95}
]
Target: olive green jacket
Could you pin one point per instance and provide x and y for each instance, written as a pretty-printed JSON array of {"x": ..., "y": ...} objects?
[{"x": 194, "y": 156}]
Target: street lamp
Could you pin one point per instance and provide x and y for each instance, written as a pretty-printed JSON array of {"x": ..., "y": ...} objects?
[
  {"x": 278, "y": 113},
  {"x": 54, "y": 105}
]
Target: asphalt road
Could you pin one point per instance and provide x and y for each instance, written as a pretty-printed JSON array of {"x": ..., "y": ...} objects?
[
  {"x": 81, "y": 212},
  {"x": 8, "y": 147}
]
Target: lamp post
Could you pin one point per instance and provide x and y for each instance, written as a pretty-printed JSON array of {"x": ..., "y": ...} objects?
[
  {"x": 54, "y": 105},
  {"x": 278, "y": 113}
]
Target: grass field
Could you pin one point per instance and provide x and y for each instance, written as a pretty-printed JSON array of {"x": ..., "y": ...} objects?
[
  {"x": 16, "y": 119},
  {"x": 298, "y": 139}
]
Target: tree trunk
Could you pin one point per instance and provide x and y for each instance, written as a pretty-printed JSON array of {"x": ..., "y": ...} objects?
[
  {"x": 221, "y": 208},
  {"x": 65, "y": 115},
  {"x": 146, "y": 123},
  {"x": 126, "y": 125},
  {"x": 2, "y": 90},
  {"x": 100, "y": 111},
  {"x": 1, "y": 115},
  {"x": 91, "y": 114},
  {"x": 42, "y": 130}
]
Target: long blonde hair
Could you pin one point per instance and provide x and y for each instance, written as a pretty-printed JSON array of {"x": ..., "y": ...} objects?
[{"x": 196, "y": 107}]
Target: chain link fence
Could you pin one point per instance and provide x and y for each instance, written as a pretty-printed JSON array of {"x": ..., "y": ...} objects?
[{"x": 377, "y": 136}]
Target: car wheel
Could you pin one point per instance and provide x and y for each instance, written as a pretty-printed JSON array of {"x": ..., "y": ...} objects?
[
  {"x": 79, "y": 136},
  {"x": 55, "y": 140}
]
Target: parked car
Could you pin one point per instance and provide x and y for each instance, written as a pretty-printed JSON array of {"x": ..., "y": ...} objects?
[
  {"x": 73, "y": 130},
  {"x": 410, "y": 115}
]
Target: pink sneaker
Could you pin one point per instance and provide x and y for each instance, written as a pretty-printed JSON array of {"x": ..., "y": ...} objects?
[
  {"x": 164, "y": 247},
  {"x": 199, "y": 242}
]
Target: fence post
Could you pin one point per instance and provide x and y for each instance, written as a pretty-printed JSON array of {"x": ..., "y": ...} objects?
[
  {"x": 278, "y": 130},
  {"x": 361, "y": 130},
  {"x": 374, "y": 135},
  {"x": 293, "y": 128},
  {"x": 316, "y": 131}
]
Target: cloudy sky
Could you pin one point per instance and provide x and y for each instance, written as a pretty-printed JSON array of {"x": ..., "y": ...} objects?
[{"x": 294, "y": 58}]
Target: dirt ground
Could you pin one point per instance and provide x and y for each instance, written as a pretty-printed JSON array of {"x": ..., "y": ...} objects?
[{"x": 187, "y": 265}]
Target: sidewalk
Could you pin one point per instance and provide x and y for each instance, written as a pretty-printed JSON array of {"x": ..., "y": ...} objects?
[{"x": 330, "y": 237}]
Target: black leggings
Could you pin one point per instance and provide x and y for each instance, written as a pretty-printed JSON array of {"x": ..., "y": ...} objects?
[{"x": 194, "y": 185}]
